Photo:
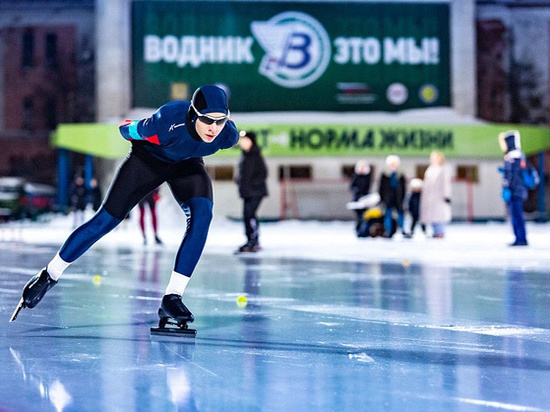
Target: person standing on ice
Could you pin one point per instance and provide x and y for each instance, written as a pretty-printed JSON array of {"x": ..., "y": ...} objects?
[
  {"x": 514, "y": 192},
  {"x": 167, "y": 147},
  {"x": 252, "y": 188},
  {"x": 392, "y": 194},
  {"x": 435, "y": 203},
  {"x": 150, "y": 201},
  {"x": 360, "y": 186},
  {"x": 413, "y": 205},
  {"x": 79, "y": 200}
]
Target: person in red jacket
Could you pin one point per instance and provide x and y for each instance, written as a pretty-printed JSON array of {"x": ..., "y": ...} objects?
[{"x": 149, "y": 201}]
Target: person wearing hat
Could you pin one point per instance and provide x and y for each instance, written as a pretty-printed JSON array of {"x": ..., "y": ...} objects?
[
  {"x": 251, "y": 181},
  {"x": 435, "y": 203},
  {"x": 360, "y": 184},
  {"x": 413, "y": 205},
  {"x": 168, "y": 146},
  {"x": 514, "y": 192},
  {"x": 392, "y": 194}
]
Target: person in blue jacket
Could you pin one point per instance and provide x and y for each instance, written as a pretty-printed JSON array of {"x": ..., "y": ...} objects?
[
  {"x": 514, "y": 192},
  {"x": 167, "y": 147}
]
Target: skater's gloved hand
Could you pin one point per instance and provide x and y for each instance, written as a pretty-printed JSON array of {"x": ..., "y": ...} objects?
[{"x": 506, "y": 194}]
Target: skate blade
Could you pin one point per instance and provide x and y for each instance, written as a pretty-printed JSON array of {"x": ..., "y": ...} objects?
[
  {"x": 174, "y": 332},
  {"x": 246, "y": 252},
  {"x": 20, "y": 306}
]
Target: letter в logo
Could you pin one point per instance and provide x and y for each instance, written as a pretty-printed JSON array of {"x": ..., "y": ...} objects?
[{"x": 297, "y": 48}]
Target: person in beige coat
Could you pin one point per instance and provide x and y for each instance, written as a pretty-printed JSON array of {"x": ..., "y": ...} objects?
[{"x": 435, "y": 204}]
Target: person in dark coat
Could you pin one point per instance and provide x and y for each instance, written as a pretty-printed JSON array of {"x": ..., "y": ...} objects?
[
  {"x": 392, "y": 194},
  {"x": 251, "y": 181},
  {"x": 95, "y": 194},
  {"x": 360, "y": 186},
  {"x": 413, "y": 205},
  {"x": 79, "y": 199},
  {"x": 514, "y": 192}
]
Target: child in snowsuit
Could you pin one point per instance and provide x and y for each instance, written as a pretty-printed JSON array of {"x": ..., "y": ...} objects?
[
  {"x": 392, "y": 193},
  {"x": 360, "y": 186},
  {"x": 413, "y": 205},
  {"x": 514, "y": 192}
]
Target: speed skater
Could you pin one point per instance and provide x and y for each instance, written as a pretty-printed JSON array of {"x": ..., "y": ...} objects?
[{"x": 168, "y": 146}]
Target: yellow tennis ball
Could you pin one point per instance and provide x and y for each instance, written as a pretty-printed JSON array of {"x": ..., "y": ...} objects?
[
  {"x": 96, "y": 280},
  {"x": 242, "y": 301},
  {"x": 406, "y": 262}
]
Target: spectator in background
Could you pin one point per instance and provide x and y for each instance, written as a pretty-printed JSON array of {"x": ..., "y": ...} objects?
[
  {"x": 79, "y": 200},
  {"x": 95, "y": 194},
  {"x": 252, "y": 188},
  {"x": 360, "y": 186},
  {"x": 392, "y": 195},
  {"x": 435, "y": 205},
  {"x": 150, "y": 200},
  {"x": 413, "y": 205},
  {"x": 514, "y": 192}
]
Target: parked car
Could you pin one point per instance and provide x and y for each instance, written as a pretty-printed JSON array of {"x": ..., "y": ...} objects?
[{"x": 20, "y": 199}]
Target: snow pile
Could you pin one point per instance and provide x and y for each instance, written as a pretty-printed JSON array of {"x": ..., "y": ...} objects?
[{"x": 484, "y": 245}]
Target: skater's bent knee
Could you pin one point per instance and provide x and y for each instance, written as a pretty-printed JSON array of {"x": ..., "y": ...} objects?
[
  {"x": 104, "y": 221},
  {"x": 201, "y": 210}
]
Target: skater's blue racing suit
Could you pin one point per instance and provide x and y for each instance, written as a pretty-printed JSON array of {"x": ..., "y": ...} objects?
[{"x": 165, "y": 148}]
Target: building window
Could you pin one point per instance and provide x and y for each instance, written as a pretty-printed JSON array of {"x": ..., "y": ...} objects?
[
  {"x": 470, "y": 173},
  {"x": 51, "y": 50},
  {"x": 28, "y": 114},
  {"x": 50, "y": 113},
  {"x": 295, "y": 172},
  {"x": 27, "y": 56}
]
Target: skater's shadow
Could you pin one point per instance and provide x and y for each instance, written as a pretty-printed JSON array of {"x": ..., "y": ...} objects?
[
  {"x": 44, "y": 329},
  {"x": 213, "y": 322},
  {"x": 393, "y": 355}
]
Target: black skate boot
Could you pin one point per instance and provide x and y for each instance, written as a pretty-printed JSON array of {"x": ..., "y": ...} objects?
[
  {"x": 174, "y": 317},
  {"x": 253, "y": 245},
  {"x": 34, "y": 291}
]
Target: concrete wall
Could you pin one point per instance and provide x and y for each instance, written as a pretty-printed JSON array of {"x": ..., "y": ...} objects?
[
  {"x": 463, "y": 55},
  {"x": 113, "y": 58}
]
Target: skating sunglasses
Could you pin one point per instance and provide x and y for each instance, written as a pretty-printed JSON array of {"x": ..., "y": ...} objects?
[{"x": 206, "y": 119}]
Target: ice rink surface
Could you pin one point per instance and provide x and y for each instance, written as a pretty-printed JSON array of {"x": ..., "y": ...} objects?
[{"x": 331, "y": 322}]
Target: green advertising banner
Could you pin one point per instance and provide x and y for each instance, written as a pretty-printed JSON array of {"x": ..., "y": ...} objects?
[
  {"x": 96, "y": 139},
  {"x": 472, "y": 141},
  {"x": 284, "y": 56}
]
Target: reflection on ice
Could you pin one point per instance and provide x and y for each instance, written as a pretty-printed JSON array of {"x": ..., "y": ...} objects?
[
  {"x": 371, "y": 324},
  {"x": 55, "y": 391},
  {"x": 59, "y": 396}
]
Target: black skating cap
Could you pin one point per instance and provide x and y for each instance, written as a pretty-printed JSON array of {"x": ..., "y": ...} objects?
[{"x": 210, "y": 99}]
